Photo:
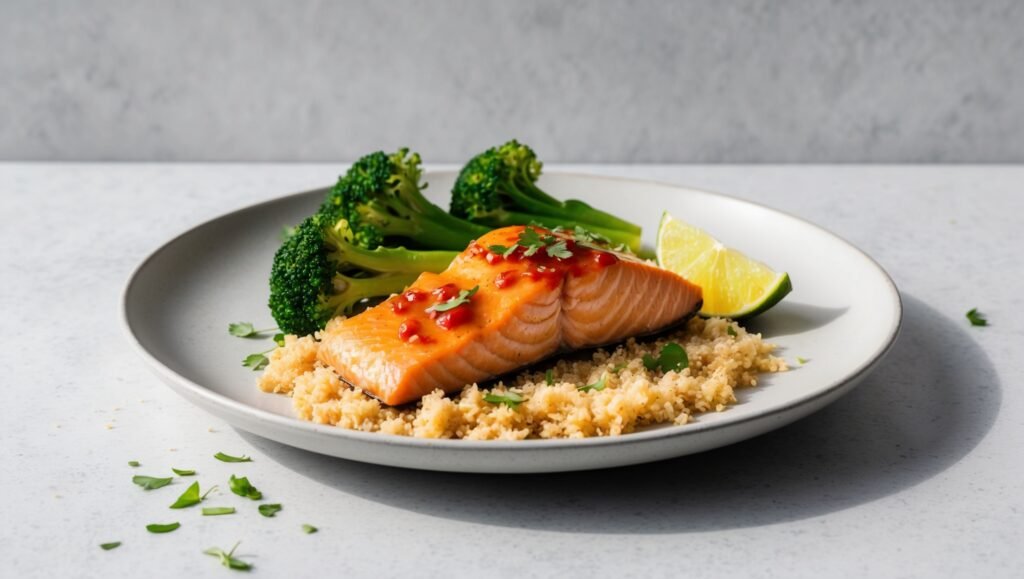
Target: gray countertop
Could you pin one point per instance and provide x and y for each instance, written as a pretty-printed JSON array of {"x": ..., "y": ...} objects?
[{"x": 918, "y": 472}]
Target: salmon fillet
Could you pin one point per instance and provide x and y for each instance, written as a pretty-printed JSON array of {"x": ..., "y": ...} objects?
[{"x": 527, "y": 307}]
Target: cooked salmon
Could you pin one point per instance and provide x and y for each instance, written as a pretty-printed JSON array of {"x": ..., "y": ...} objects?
[{"x": 516, "y": 296}]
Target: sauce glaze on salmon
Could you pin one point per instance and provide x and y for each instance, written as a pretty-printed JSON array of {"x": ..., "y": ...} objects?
[{"x": 527, "y": 306}]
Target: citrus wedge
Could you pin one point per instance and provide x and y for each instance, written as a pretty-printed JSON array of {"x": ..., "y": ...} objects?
[{"x": 734, "y": 285}]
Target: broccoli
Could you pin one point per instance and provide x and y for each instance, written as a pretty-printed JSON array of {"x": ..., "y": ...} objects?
[
  {"x": 497, "y": 188},
  {"x": 319, "y": 273},
  {"x": 381, "y": 200}
]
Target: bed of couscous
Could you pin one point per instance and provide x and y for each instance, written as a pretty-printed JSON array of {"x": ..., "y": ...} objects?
[{"x": 556, "y": 402}]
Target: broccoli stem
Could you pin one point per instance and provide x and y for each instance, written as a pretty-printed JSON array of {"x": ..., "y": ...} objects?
[
  {"x": 394, "y": 259},
  {"x": 503, "y": 218},
  {"x": 349, "y": 291},
  {"x": 576, "y": 211}
]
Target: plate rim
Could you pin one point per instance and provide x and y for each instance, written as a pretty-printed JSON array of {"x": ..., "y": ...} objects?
[{"x": 186, "y": 386}]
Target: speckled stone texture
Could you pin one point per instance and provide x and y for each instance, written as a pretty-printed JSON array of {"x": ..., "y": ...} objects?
[
  {"x": 916, "y": 473},
  {"x": 655, "y": 81}
]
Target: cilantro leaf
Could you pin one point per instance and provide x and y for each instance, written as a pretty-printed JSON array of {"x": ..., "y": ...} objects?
[
  {"x": 241, "y": 329},
  {"x": 228, "y": 458},
  {"x": 134, "y": 463},
  {"x": 462, "y": 298},
  {"x": 309, "y": 529},
  {"x": 598, "y": 386},
  {"x": 183, "y": 471},
  {"x": 109, "y": 546},
  {"x": 151, "y": 482},
  {"x": 802, "y": 360},
  {"x": 228, "y": 559},
  {"x": 162, "y": 527},
  {"x": 559, "y": 250},
  {"x": 671, "y": 358},
  {"x": 191, "y": 496},
  {"x": 618, "y": 368},
  {"x": 269, "y": 510},
  {"x": 214, "y": 511},
  {"x": 730, "y": 330},
  {"x": 510, "y": 399},
  {"x": 976, "y": 318},
  {"x": 256, "y": 361},
  {"x": 279, "y": 339},
  {"x": 243, "y": 488}
]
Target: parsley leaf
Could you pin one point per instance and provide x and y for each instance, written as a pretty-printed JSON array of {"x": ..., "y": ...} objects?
[
  {"x": 109, "y": 546},
  {"x": 671, "y": 358},
  {"x": 191, "y": 496},
  {"x": 242, "y": 488},
  {"x": 214, "y": 511},
  {"x": 241, "y": 329},
  {"x": 183, "y": 471},
  {"x": 133, "y": 463},
  {"x": 256, "y": 361},
  {"x": 462, "y": 298},
  {"x": 151, "y": 482},
  {"x": 510, "y": 399},
  {"x": 228, "y": 559},
  {"x": 976, "y": 318},
  {"x": 269, "y": 510},
  {"x": 549, "y": 377},
  {"x": 162, "y": 527},
  {"x": 598, "y": 386},
  {"x": 559, "y": 250},
  {"x": 228, "y": 458},
  {"x": 309, "y": 529}
]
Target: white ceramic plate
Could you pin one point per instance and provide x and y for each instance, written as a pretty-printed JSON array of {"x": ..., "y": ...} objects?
[{"x": 843, "y": 316}]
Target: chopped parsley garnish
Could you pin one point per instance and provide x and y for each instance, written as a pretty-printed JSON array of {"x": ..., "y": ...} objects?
[
  {"x": 109, "y": 546},
  {"x": 191, "y": 496},
  {"x": 462, "y": 298},
  {"x": 589, "y": 238},
  {"x": 510, "y": 399},
  {"x": 243, "y": 488},
  {"x": 162, "y": 527},
  {"x": 134, "y": 463},
  {"x": 214, "y": 511},
  {"x": 618, "y": 368},
  {"x": 183, "y": 471},
  {"x": 976, "y": 318},
  {"x": 228, "y": 559},
  {"x": 598, "y": 386},
  {"x": 309, "y": 529},
  {"x": 549, "y": 377},
  {"x": 730, "y": 330},
  {"x": 228, "y": 458},
  {"x": 531, "y": 242},
  {"x": 269, "y": 510},
  {"x": 671, "y": 358},
  {"x": 151, "y": 482}
]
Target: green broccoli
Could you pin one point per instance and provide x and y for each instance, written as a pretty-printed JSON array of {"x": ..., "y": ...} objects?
[
  {"x": 497, "y": 188},
  {"x": 319, "y": 273},
  {"x": 381, "y": 200}
]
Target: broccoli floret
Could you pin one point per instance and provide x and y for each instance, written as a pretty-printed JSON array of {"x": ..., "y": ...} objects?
[
  {"x": 319, "y": 273},
  {"x": 381, "y": 200},
  {"x": 498, "y": 188}
]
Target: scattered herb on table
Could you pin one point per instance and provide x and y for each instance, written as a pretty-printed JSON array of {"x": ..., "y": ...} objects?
[
  {"x": 228, "y": 559},
  {"x": 976, "y": 318},
  {"x": 309, "y": 529},
  {"x": 228, "y": 458},
  {"x": 151, "y": 482},
  {"x": 510, "y": 399},
  {"x": 183, "y": 471},
  {"x": 671, "y": 358},
  {"x": 243, "y": 488},
  {"x": 134, "y": 463},
  {"x": 597, "y": 386},
  {"x": 214, "y": 511},
  {"x": 162, "y": 527},
  {"x": 269, "y": 510},
  {"x": 109, "y": 546},
  {"x": 801, "y": 360},
  {"x": 191, "y": 496}
]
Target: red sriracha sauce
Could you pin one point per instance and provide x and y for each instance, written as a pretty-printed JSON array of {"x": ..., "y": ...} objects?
[
  {"x": 445, "y": 292},
  {"x": 454, "y": 317},
  {"x": 408, "y": 330},
  {"x": 506, "y": 279}
]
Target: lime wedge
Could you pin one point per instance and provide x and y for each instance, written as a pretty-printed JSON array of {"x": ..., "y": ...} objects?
[{"x": 734, "y": 285}]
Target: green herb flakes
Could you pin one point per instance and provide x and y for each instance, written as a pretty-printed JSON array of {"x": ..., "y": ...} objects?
[
  {"x": 596, "y": 386},
  {"x": 109, "y": 546},
  {"x": 228, "y": 458},
  {"x": 549, "y": 377},
  {"x": 976, "y": 318},
  {"x": 309, "y": 529},
  {"x": 671, "y": 358},
  {"x": 191, "y": 496},
  {"x": 215, "y": 511},
  {"x": 257, "y": 361},
  {"x": 228, "y": 559},
  {"x": 162, "y": 527},
  {"x": 134, "y": 463},
  {"x": 150, "y": 482},
  {"x": 183, "y": 471},
  {"x": 243, "y": 488},
  {"x": 510, "y": 399},
  {"x": 462, "y": 298},
  {"x": 730, "y": 330},
  {"x": 269, "y": 510}
]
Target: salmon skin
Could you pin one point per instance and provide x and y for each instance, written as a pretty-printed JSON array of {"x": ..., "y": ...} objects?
[{"x": 515, "y": 296}]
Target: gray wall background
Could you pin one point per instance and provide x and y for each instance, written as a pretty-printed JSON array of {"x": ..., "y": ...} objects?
[{"x": 644, "y": 81}]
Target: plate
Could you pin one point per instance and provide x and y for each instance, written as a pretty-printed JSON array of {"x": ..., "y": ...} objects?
[{"x": 842, "y": 317}]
